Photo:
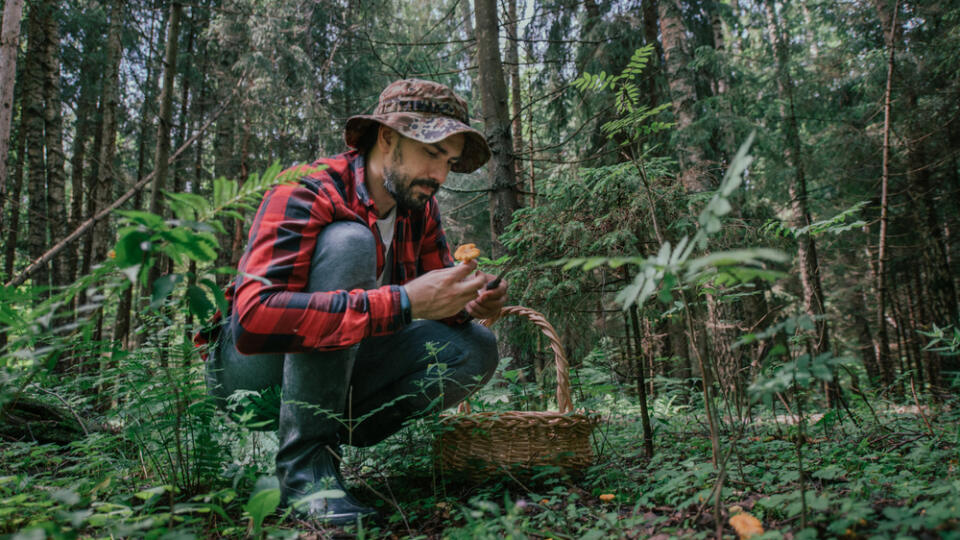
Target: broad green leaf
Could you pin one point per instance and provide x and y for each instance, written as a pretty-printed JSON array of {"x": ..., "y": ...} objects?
[
  {"x": 199, "y": 304},
  {"x": 151, "y": 221},
  {"x": 132, "y": 245},
  {"x": 151, "y": 492},
  {"x": 262, "y": 504},
  {"x": 162, "y": 288}
]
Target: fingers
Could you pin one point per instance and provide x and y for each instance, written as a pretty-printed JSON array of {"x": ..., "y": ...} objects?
[{"x": 488, "y": 302}]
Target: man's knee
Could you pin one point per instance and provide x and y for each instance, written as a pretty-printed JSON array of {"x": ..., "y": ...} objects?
[{"x": 345, "y": 257}]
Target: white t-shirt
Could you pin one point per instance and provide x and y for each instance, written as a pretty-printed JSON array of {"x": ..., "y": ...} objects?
[{"x": 386, "y": 225}]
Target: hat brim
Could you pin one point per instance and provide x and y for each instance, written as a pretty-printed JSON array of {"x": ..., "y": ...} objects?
[{"x": 426, "y": 128}]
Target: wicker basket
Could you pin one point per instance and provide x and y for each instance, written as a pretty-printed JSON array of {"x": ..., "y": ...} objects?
[{"x": 487, "y": 443}]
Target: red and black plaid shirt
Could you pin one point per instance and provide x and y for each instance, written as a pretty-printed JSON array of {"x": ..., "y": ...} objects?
[{"x": 272, "y": 313}]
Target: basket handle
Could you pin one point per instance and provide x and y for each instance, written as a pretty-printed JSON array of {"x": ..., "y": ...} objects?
[{"x": 564, "y": 403}]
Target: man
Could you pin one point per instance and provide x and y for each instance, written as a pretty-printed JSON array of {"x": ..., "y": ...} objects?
[{"x": 347, "y": 298}]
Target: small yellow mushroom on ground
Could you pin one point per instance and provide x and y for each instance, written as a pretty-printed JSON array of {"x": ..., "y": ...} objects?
[
  {"x": 607, "y": 497},
  {"x": 746, "y": 525},
  {"x": 466, "y": 253}
]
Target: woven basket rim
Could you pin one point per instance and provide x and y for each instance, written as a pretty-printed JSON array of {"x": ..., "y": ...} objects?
[{"x": 590, "y": 416}]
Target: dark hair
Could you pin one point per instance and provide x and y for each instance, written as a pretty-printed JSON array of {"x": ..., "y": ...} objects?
[{"x": 369, "y": 138}]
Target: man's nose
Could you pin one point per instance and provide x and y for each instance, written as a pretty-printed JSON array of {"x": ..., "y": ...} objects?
[{"x": 438, "y": 173}]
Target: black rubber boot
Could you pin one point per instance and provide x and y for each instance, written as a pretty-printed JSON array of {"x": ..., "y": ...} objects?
[{"x": 315, "y": 390}]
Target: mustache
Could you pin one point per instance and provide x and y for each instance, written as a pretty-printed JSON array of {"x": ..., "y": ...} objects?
[{"x": 425, "y": 182}]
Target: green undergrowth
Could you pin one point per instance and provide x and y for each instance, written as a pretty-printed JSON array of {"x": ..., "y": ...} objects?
[{"x": 893, "y": 475}]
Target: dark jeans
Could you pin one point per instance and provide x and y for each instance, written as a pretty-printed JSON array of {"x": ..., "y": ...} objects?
[{"x": 426, "y": 366}]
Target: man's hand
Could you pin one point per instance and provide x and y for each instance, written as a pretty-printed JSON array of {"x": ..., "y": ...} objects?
[
  {"x": 443, "y": 293},
  {"x": 490, "y": 301}
]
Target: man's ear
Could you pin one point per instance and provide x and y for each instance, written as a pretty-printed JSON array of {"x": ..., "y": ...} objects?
[{"x": 386, "y": 137}]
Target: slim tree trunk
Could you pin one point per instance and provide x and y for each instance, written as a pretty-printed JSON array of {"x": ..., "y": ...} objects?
[
  {"x": 883, "y": 339},
  {"x": 9, "y": 44},
  {"x": 496, "y": 123},
  {"x": 12, "y": 236},
  {"x": 122, "y": 323},
  {"x": 108, "y": 147},
  {"x": 683, "y": 94},
  {"x": 513, "y": 68},
  {"x": 92, "y": 196},
  {"x": 224, "y": 144},
  {"x": 858, "y": 310},
  {"x": 165, "y": 126},
  {"x": 641, "y": 384},
  {"x": 13, "y": 231},
  {"x": 807, "y": 259},
  {"x": 86, "y": 108},
  {"x": 53, "y": 134}
]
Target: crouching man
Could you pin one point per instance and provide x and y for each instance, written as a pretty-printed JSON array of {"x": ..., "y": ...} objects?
[{"x": 347, "y": 298}]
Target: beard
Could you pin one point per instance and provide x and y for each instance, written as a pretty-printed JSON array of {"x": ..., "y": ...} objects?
[{"x": 400, "y": 186}]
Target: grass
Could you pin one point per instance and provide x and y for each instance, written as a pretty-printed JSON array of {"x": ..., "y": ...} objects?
[{"x": 863, "y": 479}]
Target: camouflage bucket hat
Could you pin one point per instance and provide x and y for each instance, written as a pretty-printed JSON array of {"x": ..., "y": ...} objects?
[{"x": 427, "y": 112}]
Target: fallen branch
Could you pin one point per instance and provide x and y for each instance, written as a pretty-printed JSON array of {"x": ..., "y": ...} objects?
[{"x": 86, "y": 225}]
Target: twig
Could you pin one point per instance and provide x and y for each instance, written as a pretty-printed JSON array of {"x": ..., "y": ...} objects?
[{"x": 76, "y": 416}]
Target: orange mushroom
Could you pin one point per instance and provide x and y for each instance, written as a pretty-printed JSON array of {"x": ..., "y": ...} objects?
[
  {"x": 466, "y": 253},
  {"x": 746, "y": 525}
]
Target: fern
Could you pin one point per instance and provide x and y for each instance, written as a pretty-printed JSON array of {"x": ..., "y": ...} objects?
[
  {"x": 191, "y": 236},
  {"x": 635, "y": 120},
  {"x": 833, "y": 225},
  {"x": 673, "y": 266}
]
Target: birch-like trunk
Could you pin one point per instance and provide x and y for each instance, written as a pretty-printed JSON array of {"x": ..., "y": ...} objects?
[{"x": 9, "y": 44}]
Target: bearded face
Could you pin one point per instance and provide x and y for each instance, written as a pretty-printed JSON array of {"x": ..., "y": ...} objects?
[{"x": 411, "y": 193}]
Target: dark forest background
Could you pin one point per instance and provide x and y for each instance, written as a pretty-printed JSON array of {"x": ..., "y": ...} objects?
[{"x": 801, "y": 295}]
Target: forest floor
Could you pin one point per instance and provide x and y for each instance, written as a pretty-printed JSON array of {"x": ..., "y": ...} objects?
[{"x": 881, "y": 472}]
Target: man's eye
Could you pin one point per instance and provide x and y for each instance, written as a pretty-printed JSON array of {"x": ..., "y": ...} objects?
[{"x": 431, "y": 153}]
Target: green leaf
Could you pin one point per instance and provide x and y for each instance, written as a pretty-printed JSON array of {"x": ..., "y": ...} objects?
[
  {"x": 219, "y": 298},
  {"x": 199, "y": 304},
  {"x": 262, "y": 504},
  {"x": 152, "y": 492},
  {"x": 162, "y": 288},
  {"x": 147, "y": 219},
  {"x": 131, "y": 247}
]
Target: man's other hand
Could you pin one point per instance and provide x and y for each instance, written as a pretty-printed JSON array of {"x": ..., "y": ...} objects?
[
  {"x": 443, "y": 293},
  {"x": 488, "y": 302}
]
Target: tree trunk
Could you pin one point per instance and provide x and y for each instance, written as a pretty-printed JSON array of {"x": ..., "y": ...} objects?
[
  {"x": 225, "y": 162},
  {"x": 9, "y": 45},
  {"x": 34, "y": 72},
  {"x": 121, "y": 327},
  {"x": 641, "y": 385},
  {"x": 92, "y": 197},
  {"x": 861, "y": 325},
  {"x": 513, "y": 68},
  {"x": 13, "y": 231},
  {"x": 883, "y": 345},
  {"x": 86, "y": 108},
  {"x": 683, "y": 93},
  {"x": 110, "y": 104},
  {"x": 943, "y": 295},
  {"x": 496, "y": 123},
  {"x": 165, "y": 126},
  {"x": 807, "y": 260},
  {"x": 53, "y": 132}
]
